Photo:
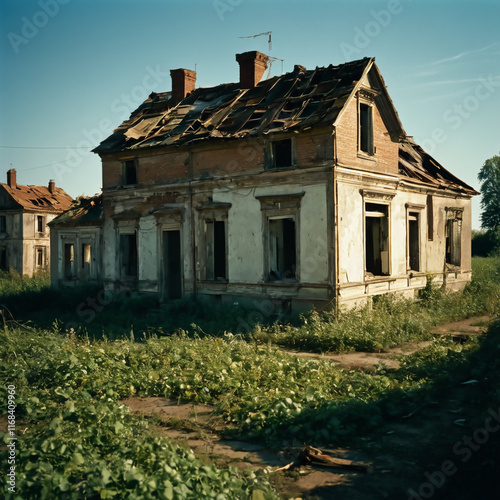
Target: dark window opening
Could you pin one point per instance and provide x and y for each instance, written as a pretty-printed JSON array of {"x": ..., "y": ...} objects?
[
  {"x": 3, "y": 224},
  {"x": 453, "y": 240},
  {"x": 377, "y": 239},
  {"x": 40, "y": 257},
  {"x": 40, "y": 222},
  {"x": 430, "y": 218},
  {"x": 366, "y": 128},
  {"x": 130, "y": 172},
  {"x": 216, "y": 250},
  {"x": 413, "y": 242},
  {"x": 3, "y": 259},
  {"x": 282, "y": 153},
  {"x": 172, "y": 258},
  {"x": 69, "y": 261},
  {"x": 128, "y": 255},
  {"x": 282, "y": 248}
]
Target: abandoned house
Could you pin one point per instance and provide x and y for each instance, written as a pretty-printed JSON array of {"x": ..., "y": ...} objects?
[
  {"x": 302, "y": 189},
  {"x": 25, "y": 212},
  {"x": 76, "y": 243}
]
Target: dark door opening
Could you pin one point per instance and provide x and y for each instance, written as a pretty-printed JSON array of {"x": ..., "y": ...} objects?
[{"x": 172, "y": 264}]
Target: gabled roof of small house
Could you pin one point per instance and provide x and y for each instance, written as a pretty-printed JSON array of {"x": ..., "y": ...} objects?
[
  {"x": 39, "y": 198},
  {"x": 295, "y": 101},
  {"x": 85, "y": 211}
]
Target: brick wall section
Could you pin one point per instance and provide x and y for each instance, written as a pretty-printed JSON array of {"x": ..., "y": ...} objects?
[
  {"x": 347, "y": 143},
  {"x": 163, "y": 168},
  {"x": 111, "y": 173},
  {"x": 313, "y": 149},
  {"x": 232, "y": 157}
]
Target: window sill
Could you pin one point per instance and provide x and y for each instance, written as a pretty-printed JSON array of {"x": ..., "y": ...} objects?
[{"x": 367, "y": 156}]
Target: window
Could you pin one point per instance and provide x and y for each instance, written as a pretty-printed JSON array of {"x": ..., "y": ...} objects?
[
  {"x": 3, "y": 259},
  {"x": 366, "y": 129},
  {"x": 128, "y": 255},
  {"x": 281, "y": 219},
  {"x": 86, "y": 257},
  {"x": 69, "y": 261},
  {"x": 282, "y": 248},
  {"x": 216, "y": 249},
  {"x": 453, "y": 237},
  {"x": 430, "y": 218},
  {"x": 40, "y": 257},
  {"x": 377, "y": 239},
  {"x": 40, "y": 223},
  {"x": 413, "y": 243},
  {"x": 129, "y": 172},
  {"x": 3, "y": 224},
  {"x": 282, "y": 153}
]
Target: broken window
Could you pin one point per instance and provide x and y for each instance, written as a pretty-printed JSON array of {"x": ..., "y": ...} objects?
[
  {"x": 129, "y": 172},
  {"x": 454, "y": 237},
  {"x": 3, "y": 224},
  {"x": 69, "y": 261},
  {"x": 3, "y": 259},
  {"x": 40, "y": 223},
  {"x": 430, "y": 218},
  {"x": 377, "y": 239},
  {"x": 128, "y": 255},
  {"x": 413, "y": 241},
  {"x": 216, "y": 250},
  {"x": 39, "y": 257},
  {"x": 282, "y": 153},
  {"x": 86, "y": 257},
  {"x": 282, "y": 248},
  {"x": 366, "y": 128}
]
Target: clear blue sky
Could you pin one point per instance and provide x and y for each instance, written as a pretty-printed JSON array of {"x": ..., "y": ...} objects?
[{"x": 72, "y": 70}]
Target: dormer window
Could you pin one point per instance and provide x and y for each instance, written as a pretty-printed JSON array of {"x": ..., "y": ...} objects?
[
  {"x": 366, "y": 128},
  {"x": 129, "y": 172}
]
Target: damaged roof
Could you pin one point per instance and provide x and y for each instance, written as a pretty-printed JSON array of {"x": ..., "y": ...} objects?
[
  {"x": 39, "y": 198},
  {"x": 291, "y": 102},
  {"x": 86, "y": 211},
  {"x": 418, "y": 165}
]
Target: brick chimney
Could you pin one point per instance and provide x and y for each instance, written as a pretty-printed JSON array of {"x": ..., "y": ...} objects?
[
  {"x": 252, "y": 67},
  {"x": 52, "y": 186},
  {"x": 183, "y": 83},
  {"x": 12, "y": 178}
]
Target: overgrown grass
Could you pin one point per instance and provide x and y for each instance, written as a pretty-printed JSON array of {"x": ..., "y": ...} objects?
[{"x": 391, "y": 320}]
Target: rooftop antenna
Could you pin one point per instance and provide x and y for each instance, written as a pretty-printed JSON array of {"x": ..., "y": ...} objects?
[
  {"x": 271, "y": 60},
  {"x": 262, "y": 34}
]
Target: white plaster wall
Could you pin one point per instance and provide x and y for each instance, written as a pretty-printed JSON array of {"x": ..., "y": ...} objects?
[
  {"x": 245, "y": 232},
  {"x": 244, "y": 235},
  {"x": 313, "y": 235},
  {"x": 147, "y": 248},
  {"x": 351, "y": 237},
  {"x": 110, "y": 266}
]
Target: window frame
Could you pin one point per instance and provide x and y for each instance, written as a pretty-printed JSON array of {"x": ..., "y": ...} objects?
[
  {"x": 453, "y": 226},
  {"x": 366, "y": 102},
  {"x": 41, "y": 223},
  {"x": 415, "y": 211},
  {"x": 276, "y": 207},
  {"x": 290, "y": 147}
]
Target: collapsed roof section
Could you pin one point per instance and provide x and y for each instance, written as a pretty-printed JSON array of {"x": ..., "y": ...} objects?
[
  {"x": 419, "y": 166},
  {"x": 86, "y": 211},
  {"x": 49, "y": 199},
  {"x": 294, "y": 101}
]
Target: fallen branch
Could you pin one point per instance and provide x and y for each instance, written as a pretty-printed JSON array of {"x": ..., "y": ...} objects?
[{"x": 317, "y": 457}]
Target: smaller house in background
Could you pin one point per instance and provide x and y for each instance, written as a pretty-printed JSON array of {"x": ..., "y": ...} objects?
[
  {"x": 25, "y": 212},
  {"x": 76, "y": 243}
]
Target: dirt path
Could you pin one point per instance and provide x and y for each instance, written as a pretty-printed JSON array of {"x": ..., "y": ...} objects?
[{"x": 198, "y": 428}]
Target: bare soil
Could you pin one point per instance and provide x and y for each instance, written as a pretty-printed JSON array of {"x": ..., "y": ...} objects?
[{"x": 396, "y": 458}]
